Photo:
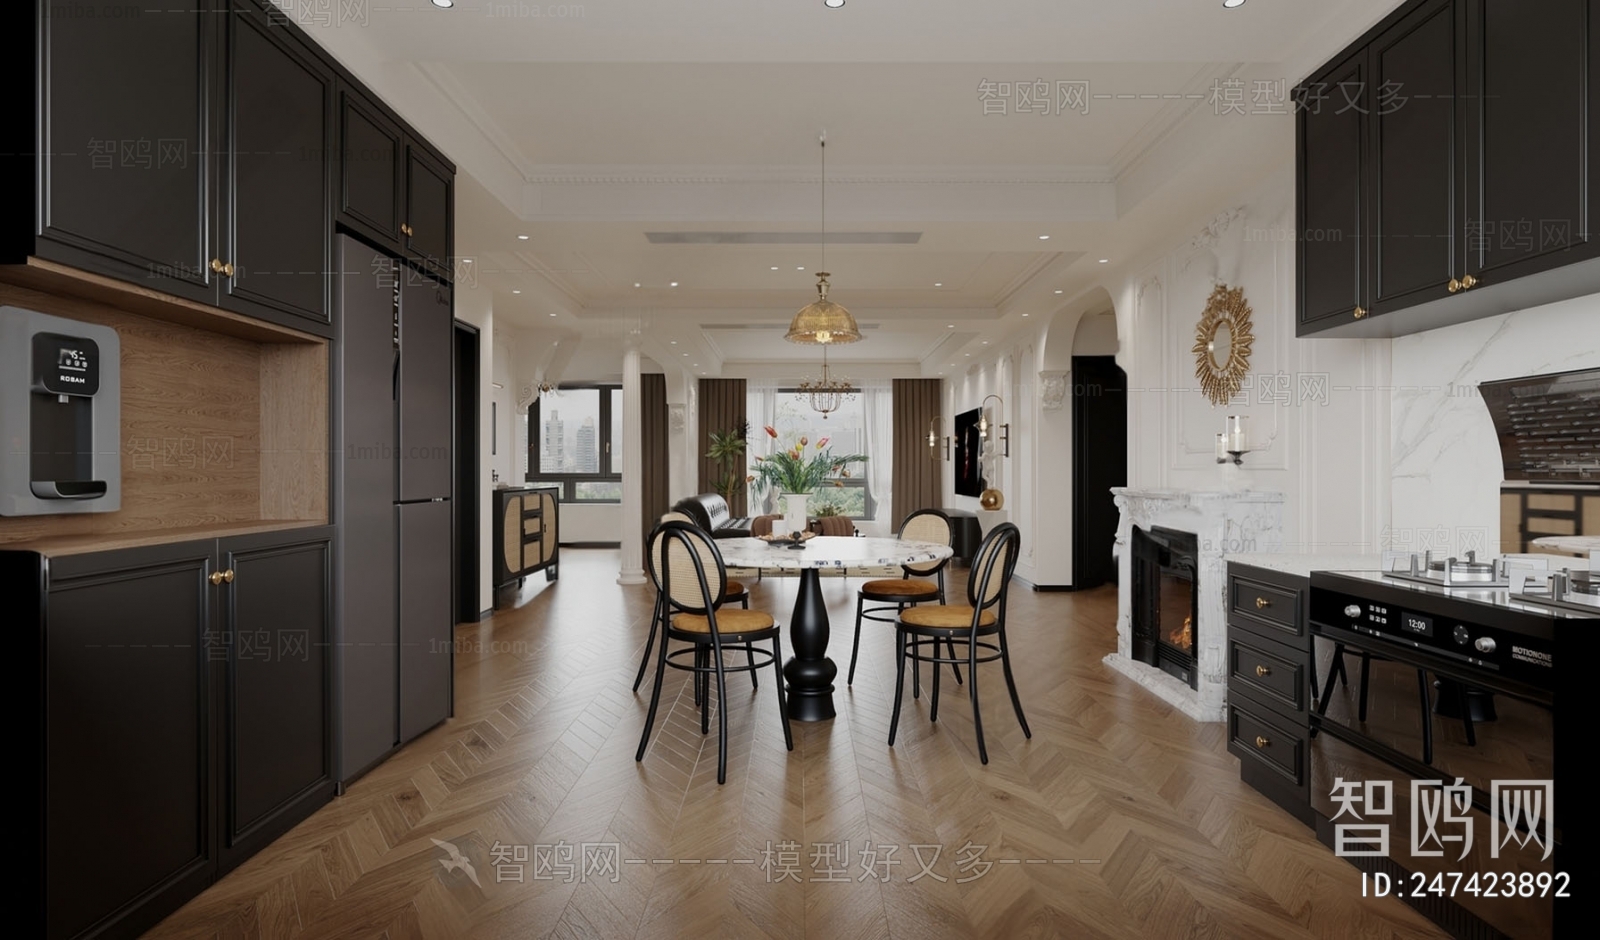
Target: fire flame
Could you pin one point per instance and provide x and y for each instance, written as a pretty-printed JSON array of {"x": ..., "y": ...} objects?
[{"x": 1183, "y": 638}]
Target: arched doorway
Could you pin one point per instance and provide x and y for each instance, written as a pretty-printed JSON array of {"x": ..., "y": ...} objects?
[{"x": 1098, "y": 392}]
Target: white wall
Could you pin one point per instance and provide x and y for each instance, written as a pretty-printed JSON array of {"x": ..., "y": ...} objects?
[
  {"x": 1447, "y": 465},
  {"x": 1320, "y": 408}
]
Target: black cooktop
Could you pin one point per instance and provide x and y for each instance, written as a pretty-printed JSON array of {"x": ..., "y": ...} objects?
[{"x": 1492, "y": 606}]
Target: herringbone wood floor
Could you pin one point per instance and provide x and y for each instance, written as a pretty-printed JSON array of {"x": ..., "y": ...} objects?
[{"x": 1163, "y": 840}]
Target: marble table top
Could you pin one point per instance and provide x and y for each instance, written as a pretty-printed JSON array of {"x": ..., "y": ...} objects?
[
  {"x": 830, "y": 551},
  {"x": 1571, "y": 544}
]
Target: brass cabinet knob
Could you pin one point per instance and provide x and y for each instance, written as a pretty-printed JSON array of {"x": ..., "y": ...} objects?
[
  {"x": 1262, "y": 602},
  {"x": 1262, "y": 672},
  {"x": 228, "y": 576},
  {"x": 216, "y": 265},
  {"x": 1469, "y": 282},
  {"x": 406, "y": 229},
  {"x": 1261, "y": 742},
  {"x": 216, "y": 577},
  {"x": 227, "y": 269},
  {"x": 219, "y": 578},
  {"x": 1360, "y": 312},
  {"x": 1453, "y": 286}
]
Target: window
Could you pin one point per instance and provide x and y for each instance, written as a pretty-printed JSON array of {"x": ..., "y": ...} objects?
[
  {"x": 845, "y": 430},
  {"x": 577, "y": 442}
]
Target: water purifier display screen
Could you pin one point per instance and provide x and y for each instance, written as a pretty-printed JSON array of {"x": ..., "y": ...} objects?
[{"x": 66, "y": 365}]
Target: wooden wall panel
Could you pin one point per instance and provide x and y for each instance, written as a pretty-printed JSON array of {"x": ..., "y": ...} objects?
[{"x": 294, "y": 432}]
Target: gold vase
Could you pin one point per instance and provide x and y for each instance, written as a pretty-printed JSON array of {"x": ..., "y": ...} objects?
[{"x": 991, "y": 499}]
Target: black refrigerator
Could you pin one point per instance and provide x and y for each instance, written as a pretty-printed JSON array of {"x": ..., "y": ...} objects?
[{"x": 392, "y": 497}]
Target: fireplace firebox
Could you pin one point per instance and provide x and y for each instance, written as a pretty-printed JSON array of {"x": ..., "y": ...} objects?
[{"x": 1166, "y": 609}]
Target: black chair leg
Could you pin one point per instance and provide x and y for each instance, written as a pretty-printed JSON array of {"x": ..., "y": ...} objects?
[
  {"x": 916, "y": 665},
  {"x": 899, "y": 681},
  {"x": 655, "y": 622},
  {"x": 783, "y": 702},
  {"x": 750, "y": 660},
  {"x": 704, "y": 677},
  {"x": 1011, "y": 683},
  {"x": 972, "y": 687},
  {"x": 855, "y": 645},
  {"x": 933, "y": 700},
  {"x": 1427, "y": 717},
  {"x": 950, "y": 647},
  {"x": 722, "y": 716},
  {"x": 655, "y": 700},
  {"x": 1361, "y": 706}
]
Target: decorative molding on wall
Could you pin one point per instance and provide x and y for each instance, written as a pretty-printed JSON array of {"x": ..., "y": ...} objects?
[
  {"x": 677, "y": 418},
  {"x": 1214, "y": 230},
  {"x": 1052, "y": 390}
]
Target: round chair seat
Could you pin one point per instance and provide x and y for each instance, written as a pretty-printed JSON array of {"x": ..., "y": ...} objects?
[
  {"x": 735, "y": 590},
  {"x": 731, "y": 621},
  {"x": 946, "y": 617},
  {"x": 898, "y": 588}
]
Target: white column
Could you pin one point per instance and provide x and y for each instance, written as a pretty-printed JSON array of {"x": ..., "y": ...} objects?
[{"x": 632, "y": 469}]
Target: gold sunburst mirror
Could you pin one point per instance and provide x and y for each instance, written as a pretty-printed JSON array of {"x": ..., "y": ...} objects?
[{"x": 1222, "y": 344}]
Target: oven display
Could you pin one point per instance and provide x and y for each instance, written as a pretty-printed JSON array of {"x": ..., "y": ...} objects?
[{"x": 1418, "y": 624}]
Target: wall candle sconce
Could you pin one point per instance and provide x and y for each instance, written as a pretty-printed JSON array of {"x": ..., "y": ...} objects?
[
  {"x": 1005, "y": 429},
  {"x": 1234, "y": 443},
  {"x": 933, "y": 439}
]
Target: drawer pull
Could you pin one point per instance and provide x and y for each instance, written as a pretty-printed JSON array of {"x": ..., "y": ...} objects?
[
  {"x": 1262, "y": 672},
  {"x": 1261, "y": 742},
  {"x": 1453, "y": 286},
  {"x": 1469, "y": 282},
  {"x": 216, "y": 578},
  {"x": 1262, "y": 602},
  {"x": 1360, "y": 312}
]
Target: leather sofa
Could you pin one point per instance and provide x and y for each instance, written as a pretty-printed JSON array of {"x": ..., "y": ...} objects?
[{"x": 710, "y": 512}]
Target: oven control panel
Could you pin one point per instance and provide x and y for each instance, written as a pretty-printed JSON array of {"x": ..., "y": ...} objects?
[{"x": 1462, "y": 643}]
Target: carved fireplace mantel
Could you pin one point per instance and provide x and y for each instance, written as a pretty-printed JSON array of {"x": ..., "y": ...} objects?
[{"x": 1223, "y": 523}]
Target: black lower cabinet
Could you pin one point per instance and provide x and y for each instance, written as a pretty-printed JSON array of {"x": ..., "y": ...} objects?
[
  {"x": 1269, "y": 685},
  {"x": 170, "y": 747}
]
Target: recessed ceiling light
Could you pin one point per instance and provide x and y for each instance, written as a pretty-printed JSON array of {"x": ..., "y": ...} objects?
[
  {"x": 938, "y": 283},
  {"x": 1060, "y": 292},
  {"x": 1226, "y": 4},
  {"x": 685, "y": 355},
  {"x": 444, "y": 4},
  {"x": 836, "y": 4},
  {"x": 774, "y": 267},
  {"x": 985, "y": 342},
  {"x": 514, "y": 291},
  {"x": 949, "y": 326},
  {"x": 799, "y": 267},
  {"x": 522, "y": 238},
  {"x": 1044, "y": 238},
  {"x": 673, "y": 284},
  {"x": 969, "y": 355},
  {"x": 1107, "y": 260},
  {"x": 466, "y": 260},
  {"x": 674, "y": 342},
  {"x": 697, "y": 365},
  {"x": 635, "y": 283},
  {"x": 552, "y": 314}
]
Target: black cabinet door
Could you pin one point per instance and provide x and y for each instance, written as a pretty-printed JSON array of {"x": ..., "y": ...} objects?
[
  {"x": 426, "y": 390},
  {"x": 1332, "y": 202},
  {"x": 277, "y": 209},
  {"x": 277, "y": 755},
  {"x": 128, "y": 742},
  {"x": 1531, "y": 165},
  {"x": 124, "y": 142},
  {"x": 426, "y": 627},
  {"x": 1415, "y": 174},
  {"x": 371, "y": 170},
  {"x": 430, "y": 211}
]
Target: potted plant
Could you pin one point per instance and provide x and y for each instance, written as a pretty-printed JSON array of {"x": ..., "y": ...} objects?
[
  {"x": 727, "y": 450},
  {"x": 800, "y": 470}
]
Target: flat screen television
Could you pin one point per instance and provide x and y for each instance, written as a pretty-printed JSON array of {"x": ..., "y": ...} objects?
[{"x": 969, "y": 454}]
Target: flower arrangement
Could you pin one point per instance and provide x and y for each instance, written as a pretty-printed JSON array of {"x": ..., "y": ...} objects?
[{"x": 804, "y": 467}]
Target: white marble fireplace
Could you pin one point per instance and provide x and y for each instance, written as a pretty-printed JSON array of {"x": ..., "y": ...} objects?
[{"x": 1223, "y": 523}]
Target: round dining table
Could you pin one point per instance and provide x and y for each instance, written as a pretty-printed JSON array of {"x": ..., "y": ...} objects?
[{"x": 809, "y": 671}]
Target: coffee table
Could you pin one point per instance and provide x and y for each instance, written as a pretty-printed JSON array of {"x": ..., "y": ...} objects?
[{"x": 809, "y": 671}]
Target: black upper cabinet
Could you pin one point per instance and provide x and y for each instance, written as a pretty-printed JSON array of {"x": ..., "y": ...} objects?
[
  {"x": 122, "y": 147},
  {"x": 429, "y": 211},
  {"x": 1413, "y": 99},
  {"x": 371, "y": 174},
  {"x": 1477, "y": 167},
  {"x": 1532, "y": 95},
  {"x": 1332, "y": 197},
  {"x": 276, "y": 178}
]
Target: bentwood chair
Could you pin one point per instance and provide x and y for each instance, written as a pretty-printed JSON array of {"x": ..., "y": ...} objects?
[
  {"x": 736, "y": 593},
  {"x": 984, "y": 615},
  {"x": 911, "y": 588},
  {"x": 694, "y": 583}
]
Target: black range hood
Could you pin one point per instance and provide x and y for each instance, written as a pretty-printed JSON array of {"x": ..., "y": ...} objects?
[{"x": 1549, "y": 426}]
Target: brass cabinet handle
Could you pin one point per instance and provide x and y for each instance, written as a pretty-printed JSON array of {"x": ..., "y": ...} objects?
[
  {"x": 1454, "y": 286},
  {"x": 228, "y": 576},
  {"x": 1261, "y": 742},
  {"x": 216, "y": 578},
  {"x": 216, "y": 265},
  {"x": 407, "y": 229},
  {"x": 219, "y": 578},
  {"x": 1469, "y": 282},
  {"x": 227, "y": 269},
  {"x": 1360, "y": 312},
  {"x": 1262, "y": 602},
  {"x": 1262, "y": 672}
]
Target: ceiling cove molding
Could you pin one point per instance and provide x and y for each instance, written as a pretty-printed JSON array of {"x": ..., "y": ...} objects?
[
  {"x": 445, "y": 81},
  {"x": 1197, "y": 92},
  {"x": 606, "y": 175}
]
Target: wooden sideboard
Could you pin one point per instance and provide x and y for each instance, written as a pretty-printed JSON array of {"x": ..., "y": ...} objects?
[{"x": 526, "y": 534}]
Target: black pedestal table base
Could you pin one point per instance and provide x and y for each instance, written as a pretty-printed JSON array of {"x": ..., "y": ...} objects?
[{"x": 810, "y": 672}]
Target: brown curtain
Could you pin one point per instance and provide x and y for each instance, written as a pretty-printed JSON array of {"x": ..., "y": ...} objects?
[
  {"x": 722, "y": 406},
  {"x": 653, "y": 446},
  {"x": 917, "y": 480}
]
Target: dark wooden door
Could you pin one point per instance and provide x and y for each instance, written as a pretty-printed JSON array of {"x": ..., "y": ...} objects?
[
  {"x": 1332, "y": 201},
  {"x": 277, "y": 207},
  {"x": 1099, "y": 461},
  {"x": 126, "y": 143},
  {"x": 371, "y": 170},
  {"x": 427, "y": 358},
  {"x": 1416, "y": 174},
  {"x": 427, "y": 653},
  {"x": 430, "y": 211},
  {"x": 1531, "y": 167},
  {"x": 277, "y": 752},
  {"x": 128, "y": 648}
]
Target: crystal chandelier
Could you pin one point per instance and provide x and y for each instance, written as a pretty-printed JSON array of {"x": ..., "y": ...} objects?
[{"x": 824, "y": 323}]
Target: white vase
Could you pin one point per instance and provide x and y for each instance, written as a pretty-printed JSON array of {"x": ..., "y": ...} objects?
[{"x": 794, "y": 511}]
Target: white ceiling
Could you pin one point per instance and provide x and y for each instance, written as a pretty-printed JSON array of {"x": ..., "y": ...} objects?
[{"x": 590, "y": 130}]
